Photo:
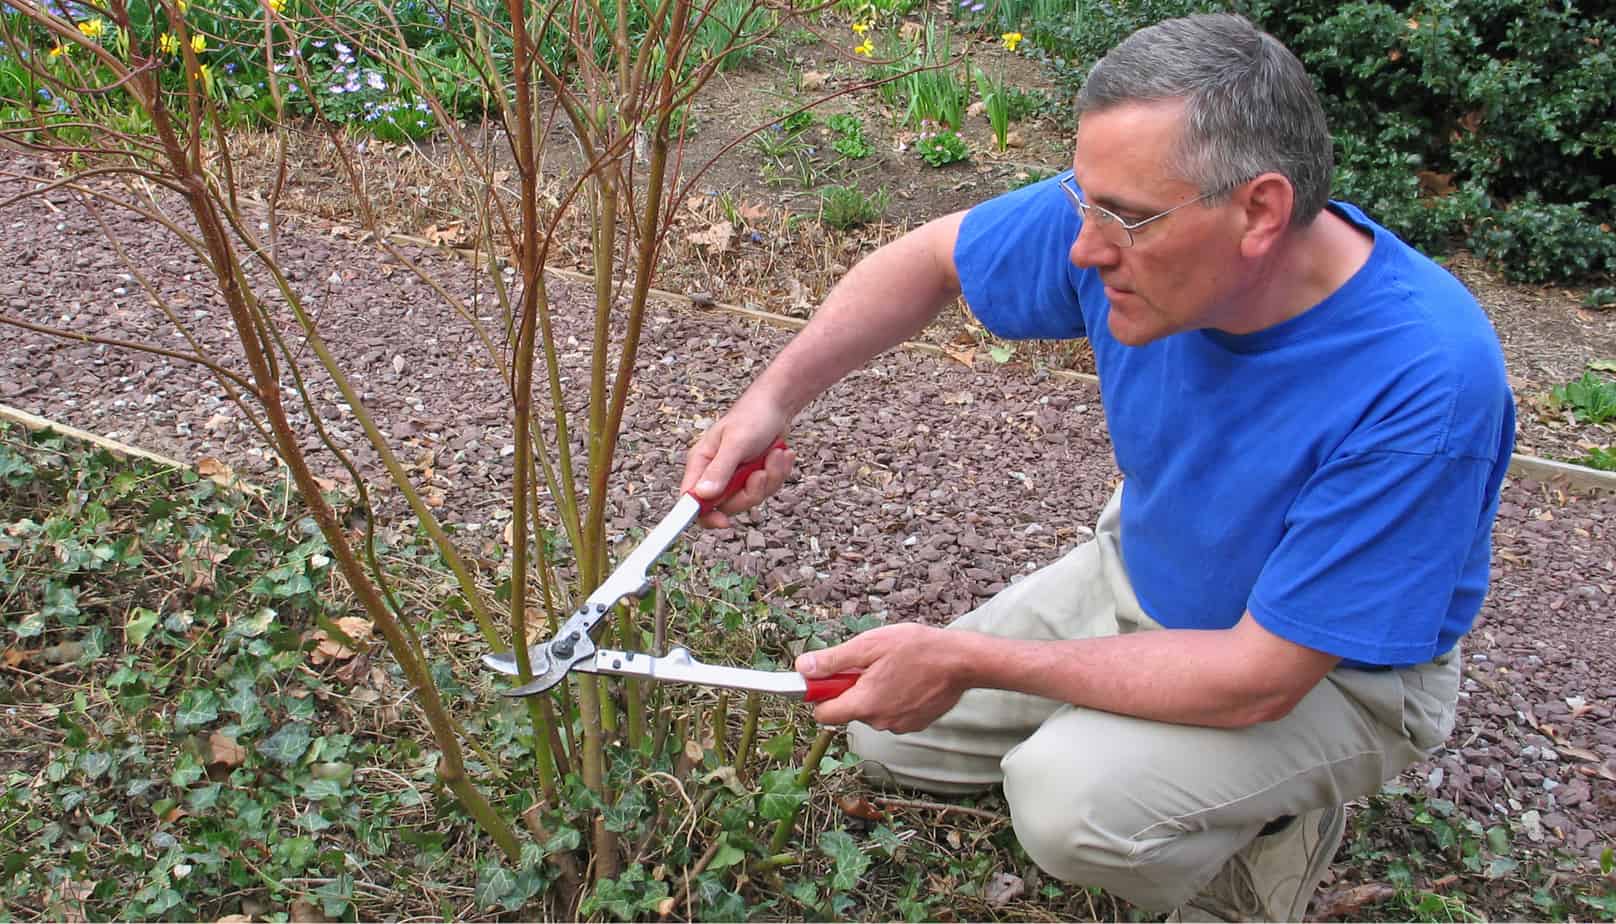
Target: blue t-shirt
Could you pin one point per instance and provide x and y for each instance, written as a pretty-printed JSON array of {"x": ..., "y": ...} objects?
[{"x": 1335, "y": 474}]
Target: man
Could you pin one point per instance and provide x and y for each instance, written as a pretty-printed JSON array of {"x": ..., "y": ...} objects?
[{"x": 1312, "y": 421}]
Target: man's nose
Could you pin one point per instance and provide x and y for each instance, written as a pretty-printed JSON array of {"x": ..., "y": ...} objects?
[{"x": 1091, "y": 249}]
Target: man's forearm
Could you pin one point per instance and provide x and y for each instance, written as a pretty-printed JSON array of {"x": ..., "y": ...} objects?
[
  {"x": 885, "y": 299},
  {"x": 1220, "y": 678}
]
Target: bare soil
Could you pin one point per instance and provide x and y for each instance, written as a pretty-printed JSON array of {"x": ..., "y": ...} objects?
[{"x": 925, "y": 483}]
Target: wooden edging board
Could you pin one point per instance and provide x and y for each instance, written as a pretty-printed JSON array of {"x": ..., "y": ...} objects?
[{"x": 1520, "y": 465}]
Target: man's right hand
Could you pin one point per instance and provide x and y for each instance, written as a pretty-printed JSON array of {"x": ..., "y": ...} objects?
[{"x": 713, "y": 459}]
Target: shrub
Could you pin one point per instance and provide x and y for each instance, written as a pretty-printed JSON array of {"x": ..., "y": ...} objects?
[
  {"x": 1536, "y": 241},
  {"x": 1483, "y": 122}
]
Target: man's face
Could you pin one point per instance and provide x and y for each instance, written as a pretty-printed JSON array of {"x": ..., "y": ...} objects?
[{"x": 1182, "y": 267}]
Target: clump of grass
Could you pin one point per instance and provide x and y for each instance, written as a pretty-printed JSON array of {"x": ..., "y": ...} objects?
[{"x": 844, "y": 207}]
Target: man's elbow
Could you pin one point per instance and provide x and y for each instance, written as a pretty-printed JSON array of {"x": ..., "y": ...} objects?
[{"x": 1258, "y": 706}]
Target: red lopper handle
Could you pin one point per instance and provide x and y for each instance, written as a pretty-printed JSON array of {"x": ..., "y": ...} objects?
[
  {"x": 829, "y": 687},
  {"x": 737, "y": 481}
]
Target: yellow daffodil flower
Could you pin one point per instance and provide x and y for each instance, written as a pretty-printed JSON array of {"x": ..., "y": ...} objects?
[
  {"x": 275, "y": 6},
  {"x": 866, "y": 49},
  {"x": 59, "y": 51},
  {"x": 859, "y": 28},
  {"x": 93, "y": 28},
  {"x": 1011, "y": 40},
  {"x": 199, "y": 43},
  {"x": 168, "y": 43},
  {"x": 182, "y": 6}
]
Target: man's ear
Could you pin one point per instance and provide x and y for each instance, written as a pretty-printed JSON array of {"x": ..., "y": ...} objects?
[{"x": 1265, "y": 206}]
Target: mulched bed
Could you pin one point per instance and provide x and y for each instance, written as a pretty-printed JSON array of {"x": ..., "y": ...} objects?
[{"x": 923, "y": 485}]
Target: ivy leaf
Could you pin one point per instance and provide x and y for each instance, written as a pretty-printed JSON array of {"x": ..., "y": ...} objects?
[
  {"x": 335, "y": 895},
  {"x": 139, "y": 627},
  {"x": 805, "y": 892},
  {"x": 94, "y": 763},
  {"x": 779, "y": 747},
  {"x": 196, "y": 707},
  {"x": 781, "y": 795},
  {"x": 565, "y": 839},
  {"x": 887, "y": 840},
  {"x": 622, "y": 816},
  {"x": 728, "y": 855},
  {"x": 850, "y": 860},
  {"x": 494, "y": 882},
  {"x": 288, "y": 743}
]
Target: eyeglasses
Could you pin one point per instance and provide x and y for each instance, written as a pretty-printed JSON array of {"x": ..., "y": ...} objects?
[{"x": 1112, "y": 228}]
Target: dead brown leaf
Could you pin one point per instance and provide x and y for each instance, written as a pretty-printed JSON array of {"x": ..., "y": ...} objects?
[
  {"x": 814, "y": 80},
  {"x": 1340, "y": 903},
  {"x": 754, "y": 213},
  {"x": 356, "y": 628},
  {"x": 448, "y": 235},
  {"x": 304, "y": 911},
  {"x": 234, "y": 919},
  {"x": 15, "y": 656},
  {"x": 1435, "y": 184},
  {"x": 965, "y": 358},
  {"x": 860, "y": 807},
  {"x": 209, "y": 467},
  {"x": 223, "y": 750},
  {"x": 716, "y": 238}
]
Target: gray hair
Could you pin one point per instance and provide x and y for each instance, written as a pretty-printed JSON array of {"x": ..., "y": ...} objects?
[{"x": 1250, "y": 108}]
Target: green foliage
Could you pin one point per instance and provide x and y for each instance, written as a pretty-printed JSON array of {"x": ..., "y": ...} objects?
[
  {"x": 876, "y": 11},
  {"x": 796, "y": 122},
  {"x": 1481, "y": 122},
  {"x": 996, "y": 102},
  {"x": 260, "y": 772},
  {"x": 1070, "y": 44},
  {"x": 1014, "y": 15},
  {"x": 849, "y": 140},
  {"x": 788, "y": 157},
  {"x": 1601, "y": 297},
  {"x": 1028, "y": 177},
  {"x": 942, "y": 148},
  {"x": 1502, "y": 103},
  {"x": 845, "y": 207},
  {"x": 1601, "y": 458},
  {"x": 936, "y": 94},
  {"x": 739, "y": 23},
  {"x": 1536, "y": 241},
  {"x": 1591, "y": 398}
]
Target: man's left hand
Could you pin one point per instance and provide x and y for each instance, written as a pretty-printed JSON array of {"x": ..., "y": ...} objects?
[{"x": 910, "y": 675}]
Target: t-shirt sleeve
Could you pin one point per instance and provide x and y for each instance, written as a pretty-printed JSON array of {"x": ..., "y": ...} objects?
[
  {"x": 1011, "y": 255},
  {"x": 1375, "y": 548}
]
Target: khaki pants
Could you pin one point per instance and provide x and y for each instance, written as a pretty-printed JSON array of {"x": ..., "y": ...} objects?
[{"x": 1147, "y": 810}]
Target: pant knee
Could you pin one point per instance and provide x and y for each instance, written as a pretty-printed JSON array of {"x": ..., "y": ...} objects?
[{"x": 1084, "y": 825}]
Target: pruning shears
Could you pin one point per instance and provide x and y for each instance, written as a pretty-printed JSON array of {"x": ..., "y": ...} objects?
[{"x": 572, "y": 648}]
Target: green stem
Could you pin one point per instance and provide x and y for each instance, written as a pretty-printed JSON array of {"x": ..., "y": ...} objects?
[{"x": 782, "y": 831}]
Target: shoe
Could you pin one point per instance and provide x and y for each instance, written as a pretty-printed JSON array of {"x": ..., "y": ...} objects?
[{"x": 1274, "y": 877}]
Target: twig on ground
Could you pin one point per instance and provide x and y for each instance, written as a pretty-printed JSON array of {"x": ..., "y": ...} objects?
[{"x": 939, "y": 807}]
